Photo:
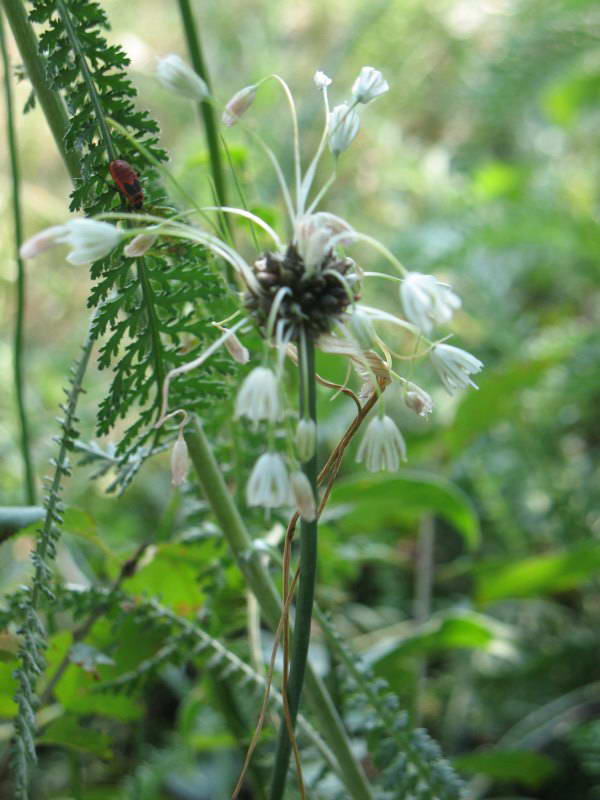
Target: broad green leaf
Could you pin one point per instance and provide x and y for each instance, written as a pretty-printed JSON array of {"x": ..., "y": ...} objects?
[
  {"x": 68, "y": 732},
  {"x": 376, "y": 502},
  {"x": 524, "y": 766},
  {"x": 172, "y": 576},
  {"x": 529, "y": 577}
]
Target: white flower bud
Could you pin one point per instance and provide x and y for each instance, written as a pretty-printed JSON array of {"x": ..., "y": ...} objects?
[
  {"x": 344, "y": 123},
  {"x": 418, "y": 400},
  {"x": 42, "y": 241},
  {"x": 236, "y": 349},
  {"x": 139, "y": 245},
  {"x": 321, "y": 80},
  {"x": 382, "y": 446},
  {"x": 303, "y": 496},
  {"x": 179, "y": 461},
  {"x": 238, "y": 105},
  {"x": 369, "y": 85},
  {"x": 306, "y": 439},
  {"x": 176, "y": 76},
  {"x": 269, "y": 485},
  {"x": 454, "y": 366}
]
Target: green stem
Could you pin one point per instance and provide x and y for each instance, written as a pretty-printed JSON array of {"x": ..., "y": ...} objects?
[
  {"x": 87, "y": 77},
  {"x": 249, "y": 562},
  {"x": 206, "y": 109},
  {"x": 50, "y": 101},
  {"x": 308, "y": 573},
  {"x": 20, "y": 316}
]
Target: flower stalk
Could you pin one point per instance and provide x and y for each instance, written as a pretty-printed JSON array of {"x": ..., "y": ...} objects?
[{"x": 308, "y": 573}]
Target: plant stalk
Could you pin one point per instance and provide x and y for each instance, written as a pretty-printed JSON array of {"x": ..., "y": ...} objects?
[
  {"x": 308, "y": 572},
  {"x": 259, "y": 581},
  {"x": 20, "y": 315},
  {"x": 50, "y": 101}
]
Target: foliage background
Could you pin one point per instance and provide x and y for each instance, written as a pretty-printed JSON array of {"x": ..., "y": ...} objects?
[{"x": 480, "y": 164}]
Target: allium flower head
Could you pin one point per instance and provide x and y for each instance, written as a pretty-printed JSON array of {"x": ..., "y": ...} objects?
[
  {"x": 321, "y": 80},
  {"x": 427, "y": 301},
  {"x": 369, "y": 85},
  {"x": 269, "y": 485},
  {"x": 258, "y": 397},
  {"x": 344, "y": 123},
  {"x": 176, "y": 76},
  {"x": 454, "y": 366},
  {"x": 383, "y": 446}
]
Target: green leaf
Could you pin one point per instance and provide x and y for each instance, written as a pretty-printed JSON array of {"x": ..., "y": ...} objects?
[
  {"x": 68, "y": 732},
  {"x": 8, "y": 687},
  {"x": 172, "y": 575},
  {"x": 376, "y": 502},
  {"x": 529, "y": 577},
  {"x": 524, "y": 766}
]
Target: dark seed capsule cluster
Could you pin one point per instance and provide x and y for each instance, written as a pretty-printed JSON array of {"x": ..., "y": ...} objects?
[{"x": 312, "y": 301}]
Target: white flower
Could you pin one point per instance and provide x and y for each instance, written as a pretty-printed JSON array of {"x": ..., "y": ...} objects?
[
  {"x": 89, "y": 239},
  {"x": 303, "y": 496},
  {"x": 258, "y": 397},
  {"x": 418, "y": 400},
  {"x": 42, "y": 241},
  {"x": 427, "y": 301},
  {"x": 269, "y": 485},
  {"x": 382, "y": 446},
  {"x": 176, "y": 76},
  {"x": 313, "y": 236},
  {"x": 179, "y": 461},
  {"x": 238, "y": 105},
  {"x": 321, "y": 80},
  {"x": 344, "y": 123},
  {"x": 454, "y": 366},
  {"x": 369, "y": 85},
  {"x": 140, "y": 244},
  {"x": 306, "y": 438}
]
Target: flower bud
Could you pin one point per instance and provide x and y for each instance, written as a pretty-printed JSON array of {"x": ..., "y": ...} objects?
[
  {"x": 179, "y": 461},
  {"x": 236, "y": 349},
  {"x": 42, "y": 241},
  {"x": 344, "y": 123},
  {"x": 418, "y": 400},
  {"x": 306, "y": 439},
  {"x": 303, "y": 496},
  {"x": 139, "y": 245},
  {"x": 369, "y": 85},
  {"x": 362, "y": 329},
  {"x": 238, "y": 105},
  {"x": 175, "y": 75},
  {"x": 321, "y": 80}
]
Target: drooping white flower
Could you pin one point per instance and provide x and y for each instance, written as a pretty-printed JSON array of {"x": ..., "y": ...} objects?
[
  {"x": 179, "y": 461},
  {"x": 426, "y": 300},
  {"x": 418, "y": 400},
  {"x": 454, "y": 366},
  {"x": 258, "y": 397},
  {"x": 176, "y": 76},
  {"x": 306, "y": 438},
  {"x": 383, "y": 446},
  {"x": 303, "y": 496},
  {"x": 90, "y": 239},
  {"x": 238, "y": 105},
  {"x": 369, "y": 85},
  {"x": 41, "y": 242},
  {"x": 321, "y": 80},
  {"x": 344, "y": 123},
  {"x": 269, "y": 485},
  {"x": 140, "y": 244}
]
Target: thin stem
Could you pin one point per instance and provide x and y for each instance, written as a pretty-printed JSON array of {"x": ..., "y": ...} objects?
[
  {"x": 206, "y": 109},
  {"x": 50, "y": 101},
  {"x": 20, "y": 315},
  {"x": 308, "y": 571},
  {"x": 259, "y": 581},
  {"x": 296, "y": 135},
  {"x": 87, "y": 77},
  {"x": 422, "y": 602}
]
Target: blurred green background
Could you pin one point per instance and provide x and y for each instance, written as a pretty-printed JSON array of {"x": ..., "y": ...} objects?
[{"x": 481, "y": 165}]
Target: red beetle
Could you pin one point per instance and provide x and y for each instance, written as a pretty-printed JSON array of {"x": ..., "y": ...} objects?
[{"x": 126, "y": 178}]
